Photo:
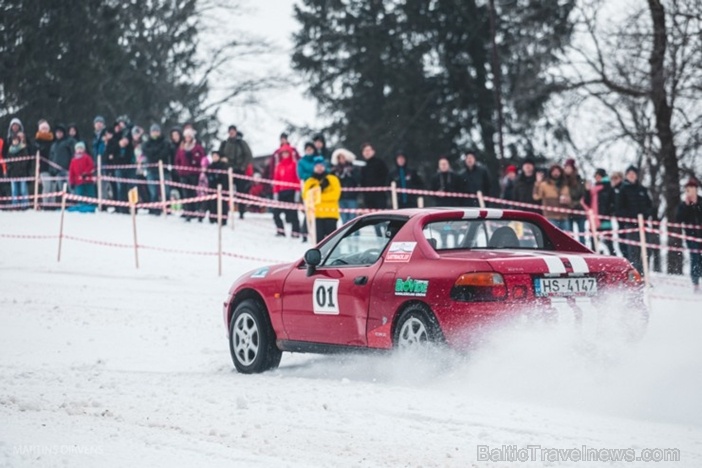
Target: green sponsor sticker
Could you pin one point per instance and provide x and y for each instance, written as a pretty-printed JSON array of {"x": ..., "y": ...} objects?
[{"x": 411, "y": 287}]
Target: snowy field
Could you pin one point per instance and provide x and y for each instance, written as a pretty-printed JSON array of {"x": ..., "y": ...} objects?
[{"x": 103, "y": 365}]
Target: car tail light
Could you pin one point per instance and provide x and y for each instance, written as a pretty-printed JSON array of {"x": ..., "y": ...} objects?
[
  {"x": 479, "y": 287},
  {"x": 633, "y": 276}
]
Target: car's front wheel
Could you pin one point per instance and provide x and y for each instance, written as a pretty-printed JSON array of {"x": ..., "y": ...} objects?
[
  {"x": 252, "y": 340},
  {"x": 416, "y": 328}
]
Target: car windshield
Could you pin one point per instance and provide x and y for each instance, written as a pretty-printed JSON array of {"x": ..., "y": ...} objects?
[{"x": 484, "y": 234}]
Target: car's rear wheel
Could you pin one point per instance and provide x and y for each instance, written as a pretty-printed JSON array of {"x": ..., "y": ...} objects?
[
  {"x": 252, "y": 339},
  {"x": 416, "y": 328}
]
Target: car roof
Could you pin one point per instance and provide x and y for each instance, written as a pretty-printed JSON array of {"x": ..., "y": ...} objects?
[{"x": 469, "y": 213}]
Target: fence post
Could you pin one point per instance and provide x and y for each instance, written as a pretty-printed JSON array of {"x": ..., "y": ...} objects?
[
  {"x": 310, "y": 215},
  {"x": 99, "y": 182},
  {"x": 593, "y": 230},
  {"x": 644, "y": 250},
  {"x": 162, "y": 185},
  {"x": 37, "y": 163},
  {"x": 230, "y": 214},
  {"x": 481, "y": 200},
  {"x": 133, "y": 200},
  {"x": 420, "y": 202},
  {"x": 393, "y": 194},
  {"x": 219, "y": 228},
  {"x": 63, "y": 211}
]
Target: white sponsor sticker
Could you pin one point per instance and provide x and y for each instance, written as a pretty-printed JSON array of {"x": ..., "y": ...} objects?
[
  {"x": 325, "y": 297},
  {"x": 400, "y": 251}
]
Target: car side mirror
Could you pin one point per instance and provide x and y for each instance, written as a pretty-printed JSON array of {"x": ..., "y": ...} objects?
[{"x": 313, "y": 258}]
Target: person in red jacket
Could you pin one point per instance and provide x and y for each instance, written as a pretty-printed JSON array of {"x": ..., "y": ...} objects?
[
  {"x": 287, "y": 191},
  {"x": 81, "y": 178}
]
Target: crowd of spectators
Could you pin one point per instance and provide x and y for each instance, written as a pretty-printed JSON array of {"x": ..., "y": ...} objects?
[{"x": 128, "y": 152}]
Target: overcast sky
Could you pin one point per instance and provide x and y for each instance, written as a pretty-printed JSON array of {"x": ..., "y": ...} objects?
[{"x": 271, "y": 20}]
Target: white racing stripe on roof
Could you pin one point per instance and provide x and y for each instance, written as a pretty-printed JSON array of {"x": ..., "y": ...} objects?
[
  {"x": 494, "y": 213},
  {"x": 579, "y": 264},
  {"x": 554, "y": 264},
  {"x": 473, "y": 213}
]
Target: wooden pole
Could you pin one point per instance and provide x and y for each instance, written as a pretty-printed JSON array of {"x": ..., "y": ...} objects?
[
  {"x": 63, "y": 212},
  {"x": 593, "y": 230},
  {"x": 644, "y": 249},
  {"x": 99, "y": 182},
  {"x": 481, "y": 200},
  {"x": 232, "y": 187},
  {"x": 133, "y": 200},
  {"x": 162, "y": 184},
  {"x": 393, "y": 195},
  {"x": 37, "y": 163},
  {"x": 219, "y": 229},
  {"x": 310, "y": 214},
  {"x": 420, "y": 202}
]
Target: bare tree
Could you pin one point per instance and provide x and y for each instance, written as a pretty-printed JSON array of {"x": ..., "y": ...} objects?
[{"x": 644, "y": 71}]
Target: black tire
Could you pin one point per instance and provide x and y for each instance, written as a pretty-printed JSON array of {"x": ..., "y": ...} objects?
[
  {"x": 252, "y": 340},
  {"x": 417, "y": 328}
]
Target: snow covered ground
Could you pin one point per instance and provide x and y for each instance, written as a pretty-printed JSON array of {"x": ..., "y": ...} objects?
[{"x": 105, "y": 365}]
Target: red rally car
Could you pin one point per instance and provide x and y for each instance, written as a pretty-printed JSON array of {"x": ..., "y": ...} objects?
[{"x": 407, "y": 277}]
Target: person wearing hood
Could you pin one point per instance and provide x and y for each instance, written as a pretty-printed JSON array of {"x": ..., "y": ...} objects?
[
  {"x": 240, "y": 158},
  {"x": 405, "y": 178},
  {"x": 553, "y": 192},
  {"x": 326, "y": 200},
  {"x": 13, "y": 129},
  {"x": 602, "y": 204},
  {"x": 474, "y": 178},
  {"x": 343, "y": 168},
  {"x": 155, "y": 150},
  {"x": 19, "y": 170},
  {"x": 286, "y": 190},
  {"x": 633, "y": 200},
  {"x": 523, "y": 190},
  {"x": 275, "y": 157},
  {"x": 690, "y": 213},
  {"x": 81, "y": 178},
  {"x": 189, "y": 162}
]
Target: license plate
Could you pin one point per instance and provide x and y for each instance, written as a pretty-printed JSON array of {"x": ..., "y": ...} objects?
[{"x": 564, "y": 287}]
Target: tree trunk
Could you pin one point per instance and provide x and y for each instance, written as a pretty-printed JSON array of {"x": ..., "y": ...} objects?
[{"x": 664, "y": 115}]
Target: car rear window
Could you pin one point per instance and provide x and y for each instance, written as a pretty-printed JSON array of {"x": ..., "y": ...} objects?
[{"x": 485, "y": 234}]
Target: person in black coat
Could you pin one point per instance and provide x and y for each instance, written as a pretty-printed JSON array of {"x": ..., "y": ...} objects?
[
  {"x": 373, "y": 174},
  {"x": 632, "y": 200},
  {"x": 405, "y": 178},
  {"x": 474, "y": 179},
  {"x": 523, "y": 191},
  {"x": 155, "y": 149},
  {"x": 690, "y": 212},
  {"x": 602, "y": 197},
  {"x": 217, "y": 175},
  {"x": 446, "y": 180}
]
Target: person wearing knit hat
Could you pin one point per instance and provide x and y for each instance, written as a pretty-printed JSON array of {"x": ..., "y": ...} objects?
[
  {"x": 240, "y": 158},
  {"x": 507, "y": 182},
  {"x": 155, "y": 149},
  {"x": 689, "y": 212},
  {"x": 523, "y": 191},
  {"x": 342, "y": 166},
  {"x": 286, "y": 189},
  {"x": 633, "y": 200},
  {"x": 81, "y": 178},
  {"x": 325, "y": 188}
]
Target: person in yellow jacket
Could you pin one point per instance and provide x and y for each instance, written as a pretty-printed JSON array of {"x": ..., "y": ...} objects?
[{"x": 326, "y": 208}]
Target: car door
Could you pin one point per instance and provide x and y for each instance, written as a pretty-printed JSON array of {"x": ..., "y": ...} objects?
[{"x": 331, "y": 305}]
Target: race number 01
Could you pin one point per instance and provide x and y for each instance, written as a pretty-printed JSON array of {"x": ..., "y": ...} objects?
[{"x": 325, "y": 297}]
